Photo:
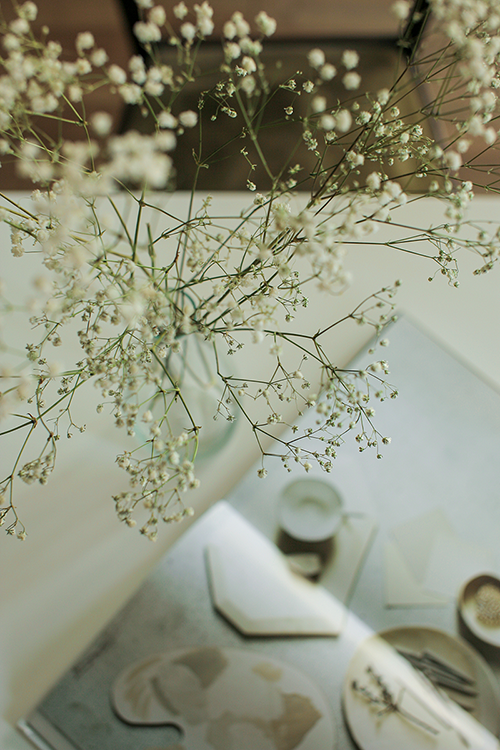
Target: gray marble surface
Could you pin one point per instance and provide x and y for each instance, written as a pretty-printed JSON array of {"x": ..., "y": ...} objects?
[{"x": 445, "y": 429}]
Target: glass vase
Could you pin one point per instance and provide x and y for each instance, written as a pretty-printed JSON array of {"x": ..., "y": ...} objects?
[{"x": 192, "y": 366}]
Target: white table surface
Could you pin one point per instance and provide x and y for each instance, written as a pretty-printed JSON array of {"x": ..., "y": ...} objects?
[
  {"x": 78, "y": 565},
  {"x": 442, "y": 460}
]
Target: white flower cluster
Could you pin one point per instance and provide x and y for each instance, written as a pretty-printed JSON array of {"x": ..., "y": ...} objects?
[
  {"x": 38, "y": 470},
  {"x": 139, "y": 159},
  {"x": 162, "y": 479},
  {"x": 239, "y": 46},
  {"x": 473, "y": 29},
  {"x": 203, "y": 27},
  {"x": 132, "y": 281},
  {"x": 36, "y": 78}
]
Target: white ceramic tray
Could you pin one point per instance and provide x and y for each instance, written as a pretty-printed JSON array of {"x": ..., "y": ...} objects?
[{"x": 225, "y": 699}]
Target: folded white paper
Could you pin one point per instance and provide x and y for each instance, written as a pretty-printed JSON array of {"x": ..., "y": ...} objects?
[
  {"x": 415, "y": 539},
  {"x": 427, "y": 562},
  {"x": 453, "y": 561},
  {"x": 401, "y": 587}
]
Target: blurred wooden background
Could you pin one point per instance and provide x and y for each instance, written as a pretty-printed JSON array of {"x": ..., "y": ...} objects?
[
  {"x": 334, "y": 20},
  {"x": 368, "y": 24}
]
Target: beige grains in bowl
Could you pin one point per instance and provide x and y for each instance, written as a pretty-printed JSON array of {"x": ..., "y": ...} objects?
[{"x": 488, "y": 604}]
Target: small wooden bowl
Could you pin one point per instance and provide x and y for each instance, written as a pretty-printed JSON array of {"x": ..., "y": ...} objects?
[{"x": 469, "y": 609}]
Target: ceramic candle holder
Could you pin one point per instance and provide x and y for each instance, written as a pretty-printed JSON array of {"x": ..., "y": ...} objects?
[{"x": 310, "y": 510}]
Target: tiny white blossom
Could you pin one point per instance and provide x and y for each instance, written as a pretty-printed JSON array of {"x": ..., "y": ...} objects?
[
  {"x": 318, "y": 104},
  {"x": 351, "y": 81},
  {"x": 242, "y": 26},
  {"x": 248, "y": 85},
  {"x": 401, "y": 9},
  {"x": 167, "y": 120},
  {"x": 137, "y": 68},
  {"x": 147, "y": 32},
  {"x": 257, "y": 337},
  {"x": 229, "y": 30},
  {"x": 316, "y": 58},
  {"x": 19, "y": 26},
  {"x": 84, "y": 40},
  {"x": 327, "y": 122},
  {"x": 188, "y": 118},
  {"x": 490, "y": 135},
  {"x": 453, "y": 160},
  {"x": 327, "y": 72},
  {"x": 116, "y": 75},
  {"x": 130, "y": 93},
  {"x": 393, "y": 189},
  {"x": 99, "y": 57},
  {"x": 382, "y": 214},
  {"x": 24, "y": 388},
  {"x": 101, "y": 123},
  {"x": 355, "y": 159},
  {"x": 188, "y": 31},
  {"x": 28, "y": 10},
  {"x": 265, "y": 24},
  {"x": 475, "y": 126},
  {"x": 166, "y": 140},
  {"x": 11, "y": 42},
  {"x": 180, "y": 10},
  {"x": 248, "y": 64},
  {"x": 83, "y": 66},
  {"x": 75, "y": 93},
  {"x": 54, "y": 369},
  {"x": 232, "y": 51},
  {"x": 343, "y": 120},
  {"x": 350, "y": 59},
  {"x": 157, "y": 15},
  {"x": 373, "y": 181},
  {"x": 383, "y": 96},
  {"x": 462, "y": 145},
  {"x": 204, "y": 22}
]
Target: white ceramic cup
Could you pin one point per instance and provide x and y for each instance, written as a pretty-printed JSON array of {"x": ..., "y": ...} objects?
[{"x": 310, "y": 510}]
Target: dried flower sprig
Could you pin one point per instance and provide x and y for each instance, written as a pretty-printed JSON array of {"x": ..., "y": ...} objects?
[{"x": 382, "y": 699}]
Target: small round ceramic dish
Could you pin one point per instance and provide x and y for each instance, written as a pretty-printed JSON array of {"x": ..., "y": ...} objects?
[
  {"x": 388, "y": 703},
  {"x": 310, "y": 510},
  {"x": 479, "y": 607}
]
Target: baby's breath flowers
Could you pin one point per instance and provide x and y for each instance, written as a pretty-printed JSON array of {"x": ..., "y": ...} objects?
[{"x": 131, "y": 281}]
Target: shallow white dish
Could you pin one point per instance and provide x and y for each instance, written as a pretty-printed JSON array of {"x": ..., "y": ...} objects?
[
  {"x": 468, "y": 608},
  {"x": 310, "y": 510},
  {"x": 376, "y": 729},
  {"x": 225, "y": 699}
]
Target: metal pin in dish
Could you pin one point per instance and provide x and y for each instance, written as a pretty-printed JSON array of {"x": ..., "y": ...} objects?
[{"x": 440, "y": 673}]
